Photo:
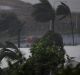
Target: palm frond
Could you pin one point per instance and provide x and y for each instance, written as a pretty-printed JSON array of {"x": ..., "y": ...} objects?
[
  {"x": 63, "y": 10},
  {"x": 11, "y": 45},
  {"x": 7, "y": 53},
  {"x": 68, "y": 12},
  {"x": 43, "y": 12},
  {"x": 10, "y": 54},
  {"x": 43, "y": 1},
  {"x": 62, "y": 17}
]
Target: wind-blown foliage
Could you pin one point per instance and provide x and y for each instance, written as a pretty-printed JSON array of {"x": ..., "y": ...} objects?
[
  {"x": 68, "y": 70},
  {"x": 12, "y": 53},
  {"x": 47, "y": 56},
  {"x": 63, "y": 10},
  {"x": 9, "y": 22},
  {"x": 48, "y": 52},
  {"x": 44, "y": 12}
]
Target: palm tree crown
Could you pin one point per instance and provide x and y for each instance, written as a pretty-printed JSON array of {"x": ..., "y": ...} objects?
[
  {"x": 44, "y": 12},
  {"x": 11, "y": 52}
]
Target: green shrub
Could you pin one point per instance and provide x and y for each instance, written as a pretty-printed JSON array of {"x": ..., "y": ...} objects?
[{"x": 48, "y": 51}]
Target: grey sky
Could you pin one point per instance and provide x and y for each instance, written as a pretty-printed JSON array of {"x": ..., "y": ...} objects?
[{"x": 73, "y": 4}]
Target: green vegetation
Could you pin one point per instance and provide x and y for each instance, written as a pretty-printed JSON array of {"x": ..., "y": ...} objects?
[
  {"x": 48, "y": 54},
  {"x": 12, "y": 53},
  {"x": 48, "y": 58}
]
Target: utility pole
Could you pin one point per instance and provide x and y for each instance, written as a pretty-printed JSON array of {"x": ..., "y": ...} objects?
[
  {"x": 76, "y": 27},
  {"x": 50, "y": 26},
  {"x": 76, "y": 21},
  {"x": 53, "y": 5},
  {"x": 19, "y": 34}
]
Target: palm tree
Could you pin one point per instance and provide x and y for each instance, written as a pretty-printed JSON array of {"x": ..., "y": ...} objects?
[
  {"x": 64, "y": 10},
  {"x": 12, "y": 54},
  {"x": 44, "y": 12},
  {"x": 11, "y": 23}
]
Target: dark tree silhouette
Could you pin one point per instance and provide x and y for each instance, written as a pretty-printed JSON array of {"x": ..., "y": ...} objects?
[
  {"x": 10, "y": 23},
  {"x": 64, "y": 10},
  {"x": 13, "y": 54},
  {"x": 48, "y": 54},
  {"x": 44, "y": 12}
]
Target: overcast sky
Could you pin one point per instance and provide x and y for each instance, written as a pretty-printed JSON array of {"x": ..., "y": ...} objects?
[{"x": 73, "y": 4}]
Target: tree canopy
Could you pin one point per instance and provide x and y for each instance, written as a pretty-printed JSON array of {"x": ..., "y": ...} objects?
[
  {"x": 44, "y": 11},
  {"x": 9, "y": 22},
  {"x": 48, "y": 52}
]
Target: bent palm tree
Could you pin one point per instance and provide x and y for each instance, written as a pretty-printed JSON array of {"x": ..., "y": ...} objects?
[
  {"x": 64, "y": 10},
  {"x": 13, "y": 53},
  {"x": 44, "y": 12}
]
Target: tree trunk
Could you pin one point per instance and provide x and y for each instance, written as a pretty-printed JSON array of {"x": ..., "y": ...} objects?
[
  {"x": 72, "y": 29},
  {"x": 19, "y": 31},
  {"x": 52, "y": 29}
]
